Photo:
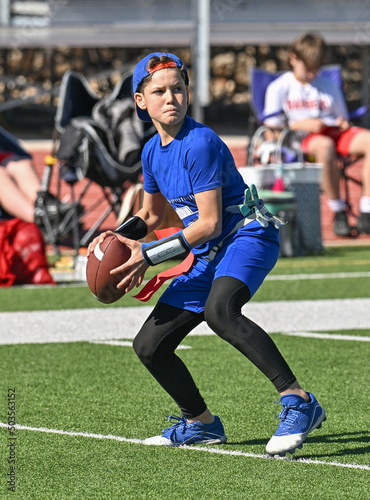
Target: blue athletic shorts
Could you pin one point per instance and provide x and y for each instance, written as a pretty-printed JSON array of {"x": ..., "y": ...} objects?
[{"x": 249, "y": 254}]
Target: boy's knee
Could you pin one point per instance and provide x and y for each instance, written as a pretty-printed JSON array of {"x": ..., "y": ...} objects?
[
  {"x": 216, "y": 313},
  {"x": 142, "y": 350},
  {"x": 151, "y": 351},
  {"x": 224, "y": 303},
  {"x": 323, "y": 146}
]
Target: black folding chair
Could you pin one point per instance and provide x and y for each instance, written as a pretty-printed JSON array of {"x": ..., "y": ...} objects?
[{"x": 99, "y": 140}]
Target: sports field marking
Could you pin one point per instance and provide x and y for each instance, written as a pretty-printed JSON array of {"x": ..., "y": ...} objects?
[
  {"x": 326, "y": 263},
  {"x": 309, "y": 335},
  {"x": 127, "y": 343},
  {"x": 318, "y": 276},
  {"x": 78, "y": 325},
  {"x": 193, "y": 448},
  {"x": 327, "y": 336},
  {"x": 271, "y": 277}
]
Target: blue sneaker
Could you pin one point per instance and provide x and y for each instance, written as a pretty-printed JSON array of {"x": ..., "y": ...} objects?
[
  {"x": 182, "y": 432},
  {"x": 297, "y": 419}
]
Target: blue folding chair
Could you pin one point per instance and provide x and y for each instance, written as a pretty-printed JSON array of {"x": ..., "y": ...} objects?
[{"x": 263, "y": 148}]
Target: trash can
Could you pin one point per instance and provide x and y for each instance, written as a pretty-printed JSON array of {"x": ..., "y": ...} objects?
[
  {"x": 283, "y": 205},
  {"x": 303, "y": 180}
]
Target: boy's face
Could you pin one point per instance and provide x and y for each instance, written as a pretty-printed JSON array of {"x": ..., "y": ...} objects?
[
  {"x": 300, "y": 70},
  {"x": 165, "y": 97}
]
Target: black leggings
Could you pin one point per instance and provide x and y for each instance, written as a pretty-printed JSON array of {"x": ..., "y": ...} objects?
[{"x": 167, "y": 326}]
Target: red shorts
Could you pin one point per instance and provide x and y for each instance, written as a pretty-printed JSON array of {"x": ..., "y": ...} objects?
[
  {"x": 4, "y": 155},
  {"x": 341, "y": 138}
]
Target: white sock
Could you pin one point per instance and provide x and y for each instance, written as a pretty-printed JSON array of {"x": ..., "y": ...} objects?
[
  {"x": 337, "y": 205},
  {"x": 365, "y": 204}
]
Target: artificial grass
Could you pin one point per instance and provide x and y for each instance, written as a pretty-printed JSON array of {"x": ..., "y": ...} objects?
[
  {"x": 102, "y": 389},
  {"x": 335, "y": 260}
]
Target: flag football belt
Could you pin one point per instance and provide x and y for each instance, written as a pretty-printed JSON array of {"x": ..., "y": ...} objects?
[
  {"x": 176, "y": 245},
  {"x": 253, "y": 209},
  {"x": 155, "y": 283},
  {"x": 252, "y": 204},
  {"x": 214, "y": 251}
]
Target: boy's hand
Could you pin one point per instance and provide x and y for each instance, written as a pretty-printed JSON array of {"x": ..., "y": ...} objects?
[
  {"x": 98, "y": 239},
  {"x": 342, "y": 123},
  {"x": 134, "y": 269}
]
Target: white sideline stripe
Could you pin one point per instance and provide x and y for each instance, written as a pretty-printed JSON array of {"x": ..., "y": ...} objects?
[
  {"x": 270, "y": 277},
  {"x": 327, "y": 336},
  {"x": 194, "y": 448},
  {"x": 79, "y": 325},
  {"x": 317, "y": 276},
  {"x": 127, "y": 343},
  {"x": 310, "y": 335}
]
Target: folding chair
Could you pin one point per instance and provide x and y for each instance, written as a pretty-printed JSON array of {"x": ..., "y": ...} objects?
[
  {"x": 264, "y": 148},
  {"x": 99, "y": 140}
]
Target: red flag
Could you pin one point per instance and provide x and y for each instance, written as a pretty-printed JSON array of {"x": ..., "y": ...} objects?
[{"x": 155, "y": 283}]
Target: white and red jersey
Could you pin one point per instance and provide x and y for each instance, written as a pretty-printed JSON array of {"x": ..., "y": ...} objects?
[{"x": 319, "y": 99}]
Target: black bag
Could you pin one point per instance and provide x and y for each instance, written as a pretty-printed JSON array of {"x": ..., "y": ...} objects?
[{"x": 105, "y": 148}]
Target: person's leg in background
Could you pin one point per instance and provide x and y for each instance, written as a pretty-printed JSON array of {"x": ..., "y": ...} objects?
[
  {"x": 360, "y": 145},
  {"x": 323, "y": 148},
  {"x": 20, "y": 189},
  {"x": 25, "y": 177},
  {"x": 13, "y": 200}
]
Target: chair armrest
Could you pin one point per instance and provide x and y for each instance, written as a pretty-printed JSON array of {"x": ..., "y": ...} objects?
[
  {"x": 358, "y": 113},
  {"x": 262, "y": 117}
]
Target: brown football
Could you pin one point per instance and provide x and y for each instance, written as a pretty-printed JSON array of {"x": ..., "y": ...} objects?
[{"x": 106, "y": 256}]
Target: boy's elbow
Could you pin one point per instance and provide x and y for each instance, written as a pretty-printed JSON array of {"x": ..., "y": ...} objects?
[{"x": 215, "y": 228}]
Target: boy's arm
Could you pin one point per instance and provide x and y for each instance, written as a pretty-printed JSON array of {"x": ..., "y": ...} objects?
[
  {"x": 209, "y": 222},
  {"x": 153, "y": 210}
]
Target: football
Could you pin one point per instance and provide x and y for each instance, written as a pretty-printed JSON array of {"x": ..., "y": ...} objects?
[{"x": 107, "y": 256}]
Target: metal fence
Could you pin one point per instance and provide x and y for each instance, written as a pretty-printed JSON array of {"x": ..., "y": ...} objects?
[{"x": 169, "y": 22}]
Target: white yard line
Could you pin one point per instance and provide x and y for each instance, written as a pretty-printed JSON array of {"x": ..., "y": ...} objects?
[
  {"x": 127, "y": 343},
  {"x": 318, "y": 276},
  {"x": 76, "y": 325},
  {"x": 67, "y": 279},
  {"x": 219, "y": 451},
  {"x": 327, "y": 336}
]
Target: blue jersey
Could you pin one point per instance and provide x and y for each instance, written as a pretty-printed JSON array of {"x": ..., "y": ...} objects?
[{"x": 196, "y": 160}]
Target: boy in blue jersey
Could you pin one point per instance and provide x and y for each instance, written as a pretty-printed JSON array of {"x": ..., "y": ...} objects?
[{"x": 235, "y": 243}]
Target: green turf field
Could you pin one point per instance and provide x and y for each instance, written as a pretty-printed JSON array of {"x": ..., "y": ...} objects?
[
  {"x": 84, "y": 408},
  {"x": 334, "y": 261}
]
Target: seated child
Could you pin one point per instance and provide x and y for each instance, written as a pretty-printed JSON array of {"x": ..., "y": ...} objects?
[{"x": 314, "y": 106}]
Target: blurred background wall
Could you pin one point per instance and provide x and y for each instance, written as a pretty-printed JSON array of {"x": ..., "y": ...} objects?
[{"x": 40, "y": 40}]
